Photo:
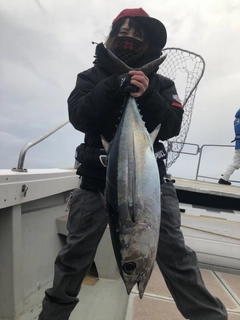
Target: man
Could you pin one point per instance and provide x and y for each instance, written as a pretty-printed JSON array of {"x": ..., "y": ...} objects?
[{"x": 236, "y": 158}]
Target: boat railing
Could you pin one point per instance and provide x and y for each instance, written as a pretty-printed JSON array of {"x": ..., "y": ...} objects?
[
  {"x": 29, "y": 145},
  {"x": 200, "y": 158},
  {"x": 199, "y": 151}
]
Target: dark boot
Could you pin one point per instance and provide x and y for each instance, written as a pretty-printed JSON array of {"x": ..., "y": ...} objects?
[{"x": 222, "y": 181}]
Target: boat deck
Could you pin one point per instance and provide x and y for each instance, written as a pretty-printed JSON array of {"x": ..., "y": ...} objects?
[
  {"x": 158, "y": 303},
  {"x": 198, "y": 186},
  {"x": 104, "y": 299}
]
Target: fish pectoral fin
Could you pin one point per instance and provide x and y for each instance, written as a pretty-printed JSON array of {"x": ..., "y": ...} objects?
[
  {"x": 154, "y": 133},
  {"x": 133, "y": 212},
  {"x": 131, "y": 209}
]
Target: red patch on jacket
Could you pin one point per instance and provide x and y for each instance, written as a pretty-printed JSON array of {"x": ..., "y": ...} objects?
[{"x": 176, "y": 104}]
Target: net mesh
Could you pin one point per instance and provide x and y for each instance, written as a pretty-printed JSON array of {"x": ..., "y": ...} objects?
[{"x": 186, "y": 69}]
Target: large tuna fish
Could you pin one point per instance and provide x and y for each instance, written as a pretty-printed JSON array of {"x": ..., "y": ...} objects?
[{"x": 133, "y": 195}]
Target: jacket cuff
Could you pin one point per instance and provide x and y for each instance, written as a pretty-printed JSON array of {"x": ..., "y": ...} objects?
[{"x": 146, "y": 94}]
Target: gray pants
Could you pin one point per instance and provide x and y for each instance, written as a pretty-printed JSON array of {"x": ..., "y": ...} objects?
[{"x": 178, "y": 263}]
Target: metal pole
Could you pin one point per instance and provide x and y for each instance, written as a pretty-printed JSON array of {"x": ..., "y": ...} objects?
[
  {"x": 199, "y": 160},
  {"x": 31, "y": 144}
]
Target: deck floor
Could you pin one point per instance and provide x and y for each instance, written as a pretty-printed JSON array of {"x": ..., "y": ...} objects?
[
  {"x": 207, "y": 187},
  {"x": 158, "y": 303},
  {"x": 103, "y": 299}
]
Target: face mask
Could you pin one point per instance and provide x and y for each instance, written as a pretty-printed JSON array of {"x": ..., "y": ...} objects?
[{"x": 127, "y": 49}]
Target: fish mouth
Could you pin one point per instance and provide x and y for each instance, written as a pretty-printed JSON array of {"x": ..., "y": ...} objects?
[
  {"x": 130, "y": 278},
  {"x": 140, "y": 279},
  {"x": 143, "y": 282},
  {"x": 141, "y": 287}
]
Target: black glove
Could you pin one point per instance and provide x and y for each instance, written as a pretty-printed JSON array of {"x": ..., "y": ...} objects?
[{"x": 125, "y": 85}]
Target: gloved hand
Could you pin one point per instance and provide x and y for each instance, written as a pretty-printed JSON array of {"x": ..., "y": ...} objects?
[{"x": 125, "y": 85}]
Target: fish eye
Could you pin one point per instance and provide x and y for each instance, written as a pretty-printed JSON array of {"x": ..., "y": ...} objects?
[{"x": 129, "y": 267}]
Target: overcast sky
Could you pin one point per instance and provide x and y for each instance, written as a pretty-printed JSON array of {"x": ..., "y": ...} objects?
[{"x": 46, "y": 43}]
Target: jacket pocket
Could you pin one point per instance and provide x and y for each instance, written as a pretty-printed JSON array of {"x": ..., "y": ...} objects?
[{"x": 76, "y": 205}]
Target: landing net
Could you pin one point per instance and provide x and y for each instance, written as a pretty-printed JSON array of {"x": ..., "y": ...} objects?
[{"x": 186, "y": 69}]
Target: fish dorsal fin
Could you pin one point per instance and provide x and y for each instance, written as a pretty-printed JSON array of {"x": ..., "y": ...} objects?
[
  {"x": 106, "y": 144},
  {"x": 154, "y": 133}
]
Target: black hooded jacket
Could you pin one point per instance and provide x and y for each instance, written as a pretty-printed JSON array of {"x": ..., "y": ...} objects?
[{"x": 95, "y": 107}]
